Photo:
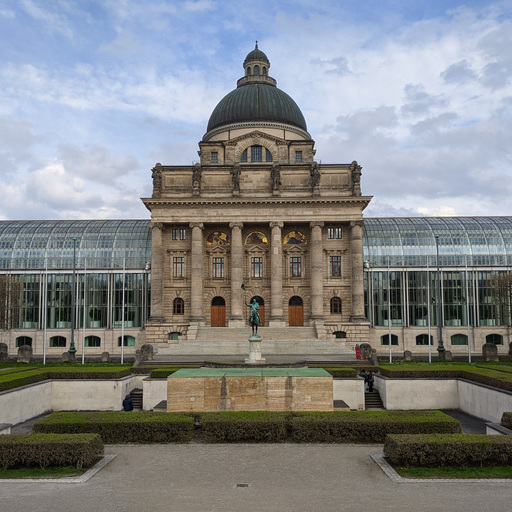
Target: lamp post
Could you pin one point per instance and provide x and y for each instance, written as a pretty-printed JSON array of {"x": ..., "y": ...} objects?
[
  {"x": 389, "y": 314},
  {"x": 440, "y": 347},
  {"x": 72, "y": 348}
]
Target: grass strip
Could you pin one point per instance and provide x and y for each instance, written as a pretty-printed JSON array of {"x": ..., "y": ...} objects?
[{"x": 462, "y": 473}]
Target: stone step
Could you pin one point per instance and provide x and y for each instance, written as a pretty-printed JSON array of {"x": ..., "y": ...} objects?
[
  {"x": 373, "y": 400},
  {"x": 208, "y": 334},
  {"x": 269, "y": 347}
]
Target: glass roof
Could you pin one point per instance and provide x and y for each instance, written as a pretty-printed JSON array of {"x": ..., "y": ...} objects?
[
  {"x": 405, "y": 241},
  {"x": 411, "y": 241},
  {"x": 100, "y": 244}
]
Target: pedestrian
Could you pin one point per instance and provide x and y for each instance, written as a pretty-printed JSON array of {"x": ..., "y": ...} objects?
[
  {"x": 369, "y": 380},
  {"x": 362, "y": 374},
  {"x": 127, "y": 403},
  {"x": 358, "y": 351}
]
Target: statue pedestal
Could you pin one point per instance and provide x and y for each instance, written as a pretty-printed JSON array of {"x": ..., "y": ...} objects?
[{"x": 255, "y": 351}]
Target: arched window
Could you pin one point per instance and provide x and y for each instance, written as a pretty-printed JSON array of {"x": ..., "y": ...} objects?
[
  {"x": 249, "y": 71},
  {"x": 335, "y": 306},
  {"x": 268, "y": 155},
  {"x": 178, "y": 306},
  {"x": 422, "y": 339},
  {"x": 264, "y": 71},
  {"x": 384, "y": 340},
  {"x": 256, "y": 70},
  {"x": 57, "y": 341},
  {"x": 459, "y": 339},
  {"x": 93, "y": 341},
  {"x": 129, "y": 341},
  {"x": 256, "y": 154},
  {"x": 23, "y": 340},
  {"x": 340, "y": 334},
  {"x": 218, "y": 301},
  {"x": 244, "y": 156},
  {"x": 497, "y": 339}
]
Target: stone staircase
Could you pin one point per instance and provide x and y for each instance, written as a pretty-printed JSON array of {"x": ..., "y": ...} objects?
[
  {"x": 136, "y": 396},
  {"x": 373, "y": 400},
  {"x": 274, "y": 341}
]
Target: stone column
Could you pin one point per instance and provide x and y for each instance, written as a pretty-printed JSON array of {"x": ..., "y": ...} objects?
[
  {"x": 236, "y": 319},
  {"x": 276, "y": 276},
  {"x": 156, "y": 273},
  {"x": 196, "y": 295},
  {"x": 356, "y": 250},
  {"x": 317, "y": 284}
]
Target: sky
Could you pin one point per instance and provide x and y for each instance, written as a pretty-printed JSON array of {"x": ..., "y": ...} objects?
[{"x": 94, "y": 93}]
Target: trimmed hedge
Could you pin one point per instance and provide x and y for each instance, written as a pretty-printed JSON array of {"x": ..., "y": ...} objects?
[
  {"x": 506, "y": 420},
  {"x": 367, "y": 426},
  {"x": 47, "y": 450},
  {"x": 489, "y": 376},
  {"x": 244, "y": 426},
  {"x": 163, "y": 373},
  {"x": 342, "y": 373},
  {"x": 24, "y": 377},
  {"x": 450, "y": 450},
  {"x": 121, "y": 427}
]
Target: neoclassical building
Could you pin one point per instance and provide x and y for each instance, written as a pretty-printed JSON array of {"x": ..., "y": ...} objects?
[
  {"x": 257, "y": 212},
  {"x": 256, "y": 218}
]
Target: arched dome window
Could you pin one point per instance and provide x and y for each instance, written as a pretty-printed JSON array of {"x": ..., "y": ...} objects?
[
  {"x": 249, "y": 71},
  {"x": 256, "y": 153},
  {"x": 264, "y": 71}
]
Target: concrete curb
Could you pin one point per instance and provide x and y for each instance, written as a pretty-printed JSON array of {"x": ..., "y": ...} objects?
[
  {"x": 395, "y": 477},
  {"x": 73, "y": 480}
]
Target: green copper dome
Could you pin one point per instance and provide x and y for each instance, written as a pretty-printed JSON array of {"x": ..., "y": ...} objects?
[{"x": 256, "y": 98}]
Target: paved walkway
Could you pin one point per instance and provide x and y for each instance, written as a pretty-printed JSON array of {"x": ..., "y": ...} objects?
[{"x": 259, "y": 477}]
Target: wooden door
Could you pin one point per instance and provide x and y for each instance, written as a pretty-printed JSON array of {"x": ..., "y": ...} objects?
[
  {"x": 218, "y": 316},
  {"x": 295, "y": 312},
  {"x": 218, "y": 312}
]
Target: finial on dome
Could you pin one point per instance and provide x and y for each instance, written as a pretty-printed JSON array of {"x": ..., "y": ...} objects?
[{"x": 256, "y": 47}]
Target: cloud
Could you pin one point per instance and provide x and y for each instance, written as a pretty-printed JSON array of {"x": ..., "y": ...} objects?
[{"x": 459, "y": 73}]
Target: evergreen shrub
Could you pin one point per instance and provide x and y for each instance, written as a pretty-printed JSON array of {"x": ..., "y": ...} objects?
[
  {"x": 506, "y": 420},
  {"x": 448, "y": 450},
  {"x": 367, "y": 426},
  {"x": 48, "y": 450},
  {"x": 122, "y": 427},
  {"x": 244, "y": 426}
]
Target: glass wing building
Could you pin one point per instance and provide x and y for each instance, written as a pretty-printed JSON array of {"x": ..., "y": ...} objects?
[{"x": 420, "y": 274}]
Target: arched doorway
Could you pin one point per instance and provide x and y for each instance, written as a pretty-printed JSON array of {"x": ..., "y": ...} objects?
[
  {"x": 295, "y": 312},
  {"x": 218, "y": 312},
  {"x": 261, "y": 302}
]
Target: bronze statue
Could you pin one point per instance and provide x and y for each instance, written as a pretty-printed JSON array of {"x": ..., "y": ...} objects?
[{"x": 254, "y": 318}]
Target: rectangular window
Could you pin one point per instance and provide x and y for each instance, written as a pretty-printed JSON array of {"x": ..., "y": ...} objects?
[
  {"x": 335, "y": 266},
  {"x": 179, "y": 234},
  {"x": 218, "y": 267},
  {"x": 298, "y": 156},
  {"x": 178, "y": 267},
  {"x": 214, "y": 157},
  {"x": 295, "y": 266},
  {"x": 334, "y": 233},
  {"x": 257, "y": 267}
]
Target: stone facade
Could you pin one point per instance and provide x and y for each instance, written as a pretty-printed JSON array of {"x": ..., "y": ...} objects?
[{"x": 257, "y": 209}]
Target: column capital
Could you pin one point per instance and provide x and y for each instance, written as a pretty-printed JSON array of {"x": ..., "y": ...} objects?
[
  {"x": 236, "y": 225},
  {"x": 199, "y": 225},
  {"x": 275, "y": 224},
  {"x": 316, "y": 223},
  {"x": 157, "y": 225},
  {"x": 356, "y": 223}
]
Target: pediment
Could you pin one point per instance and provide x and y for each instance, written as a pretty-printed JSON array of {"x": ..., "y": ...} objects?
[{"x": 255, "y": 136}]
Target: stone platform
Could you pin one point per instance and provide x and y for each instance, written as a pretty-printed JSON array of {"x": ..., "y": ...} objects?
[{"x": 249, "y": 389}]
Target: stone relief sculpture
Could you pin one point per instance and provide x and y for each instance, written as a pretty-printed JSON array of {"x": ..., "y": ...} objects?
[
  {"x": 315, "y": 175},
  {"x": 235, "y": 177},
  {"x": 355, "y": 170},
  {"x": 156, "y": 174},
  {"x": 196, "y": 177},
  {"x": 275, "y": 176}
]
